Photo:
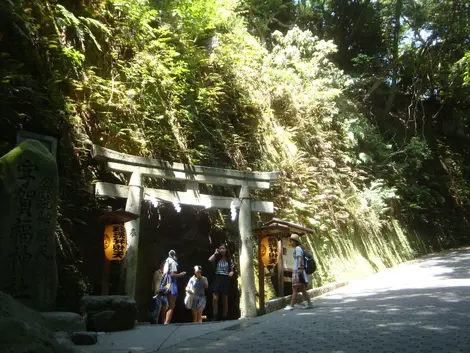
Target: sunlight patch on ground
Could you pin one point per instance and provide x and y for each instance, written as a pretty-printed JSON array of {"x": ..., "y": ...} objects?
[
  {"x": 451, "y": 298},
  {"x": 394, "y": 297},
  {"x": 351, "y": 300},
  {"x": 427, "y": 313},
  {"x": 433, "y": 328},
  {"x": 396, "y": 325},
  {"x": 405, "y": 277}
]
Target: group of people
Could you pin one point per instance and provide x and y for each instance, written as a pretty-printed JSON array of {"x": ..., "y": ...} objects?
[{"x": 165, "y": 287}]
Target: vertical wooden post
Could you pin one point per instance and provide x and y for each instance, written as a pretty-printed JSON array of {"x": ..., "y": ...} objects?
[
  {"x": 133, "y": 204},
  {"x": 248, "y": 296},
  {"x": 105, "y": 279},
  {"x": 280, "y": 268},
  {"x": 260, "y": 278}
]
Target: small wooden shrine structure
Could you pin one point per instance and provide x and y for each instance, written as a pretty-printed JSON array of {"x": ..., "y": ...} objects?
[{"x": 272, "y": 249}]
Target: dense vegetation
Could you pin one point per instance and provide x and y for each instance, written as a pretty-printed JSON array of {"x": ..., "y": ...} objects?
[{"x": 363, "y": 106}]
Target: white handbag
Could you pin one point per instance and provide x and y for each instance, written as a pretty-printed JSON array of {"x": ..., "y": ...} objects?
[
  {"x": 188, "y": 301},
  {"x": 189, "y": 298}
]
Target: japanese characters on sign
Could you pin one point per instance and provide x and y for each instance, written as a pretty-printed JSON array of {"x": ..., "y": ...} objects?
[
  {"x": 22, "y": 230},
  {"x": 269, "y": 250},
  {"x": 115, "y": 242},
  {"x": 272, "y": 250}
]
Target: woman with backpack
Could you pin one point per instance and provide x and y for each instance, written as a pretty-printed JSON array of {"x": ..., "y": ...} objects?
[
  {"x": 224, "y": 271},
  {"x": 299, "y": 275}
]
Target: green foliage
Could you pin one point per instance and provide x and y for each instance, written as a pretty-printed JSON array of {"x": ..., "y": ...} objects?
[
  {"x": 461, "y": 69},
  {"x": 336, "y": 95},
  {"x": 199, "y": 19}
]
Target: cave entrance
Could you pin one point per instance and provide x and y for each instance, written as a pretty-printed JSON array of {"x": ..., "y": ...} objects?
[{"x": 188, "y": 232}]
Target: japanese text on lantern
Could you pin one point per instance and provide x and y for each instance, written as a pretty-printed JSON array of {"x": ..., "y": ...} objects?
[
  {"x": 272, "y": 250},
  {"x": 119, "y": 241}
]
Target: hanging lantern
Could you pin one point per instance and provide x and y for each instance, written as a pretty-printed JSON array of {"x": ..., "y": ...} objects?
[
  {"x": 115, "y": 237},
  {"x": 115, "y": 242},
  {"x": 269, "y": 251}
]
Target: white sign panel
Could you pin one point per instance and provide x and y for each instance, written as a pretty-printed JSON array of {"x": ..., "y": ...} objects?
[{"x": 288, "y": 255}]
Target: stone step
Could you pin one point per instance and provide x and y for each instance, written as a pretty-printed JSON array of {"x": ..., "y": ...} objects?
[{"x": 64, "y": 321}]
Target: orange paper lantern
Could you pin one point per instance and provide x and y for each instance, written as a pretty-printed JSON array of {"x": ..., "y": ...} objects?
[
  {"x": 269, "y": 251},
  {"x": 115, "y": 242}
]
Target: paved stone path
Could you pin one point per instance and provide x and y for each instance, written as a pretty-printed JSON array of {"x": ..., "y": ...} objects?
[{"x": 419, "y": 306}]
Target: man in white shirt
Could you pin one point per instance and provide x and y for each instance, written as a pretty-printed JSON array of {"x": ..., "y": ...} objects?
[{"x": 299, "y": 275}]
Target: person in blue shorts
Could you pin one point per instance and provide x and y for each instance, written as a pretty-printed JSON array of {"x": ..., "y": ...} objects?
[
  {"x": 171, "y": 268},
  {"x": 196, "y": 287},
  {"x": 299, "y": 276}
]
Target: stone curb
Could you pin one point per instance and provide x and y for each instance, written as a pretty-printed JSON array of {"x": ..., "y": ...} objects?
[{"x": 280, "y": 303}]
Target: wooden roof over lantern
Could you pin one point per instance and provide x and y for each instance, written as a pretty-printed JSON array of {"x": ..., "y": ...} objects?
[
  {"x": 118, "y": 216},
  {"x": 278, "y": 226}
]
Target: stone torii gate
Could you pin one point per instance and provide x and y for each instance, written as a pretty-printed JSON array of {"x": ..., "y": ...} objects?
[{"x": 192, "y": 175}]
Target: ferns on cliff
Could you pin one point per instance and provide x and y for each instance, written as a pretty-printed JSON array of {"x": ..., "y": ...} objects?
[{"x": 186, "y": 80}]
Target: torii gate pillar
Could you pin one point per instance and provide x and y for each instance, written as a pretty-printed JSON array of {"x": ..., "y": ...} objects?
[
  {"x": 133, "y": 204},
  {"x": 248, "y": 297}
]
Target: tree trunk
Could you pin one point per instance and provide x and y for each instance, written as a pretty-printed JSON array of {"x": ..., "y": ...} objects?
[{"x": 396, "y": 41}]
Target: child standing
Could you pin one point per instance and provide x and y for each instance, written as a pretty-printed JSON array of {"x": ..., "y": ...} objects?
[{"x": 196, "y": 287}]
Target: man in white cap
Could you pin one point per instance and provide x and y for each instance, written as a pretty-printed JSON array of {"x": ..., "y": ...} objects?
[{"x": 299, "y": 275}]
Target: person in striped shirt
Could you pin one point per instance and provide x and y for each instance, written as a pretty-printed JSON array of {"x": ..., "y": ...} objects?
[{"x": 224, "y": 271}]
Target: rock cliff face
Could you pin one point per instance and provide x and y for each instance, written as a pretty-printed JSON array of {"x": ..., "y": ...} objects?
[
  {"x": 29, "y": 185},
  {"x": 24, "y": 330}
]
